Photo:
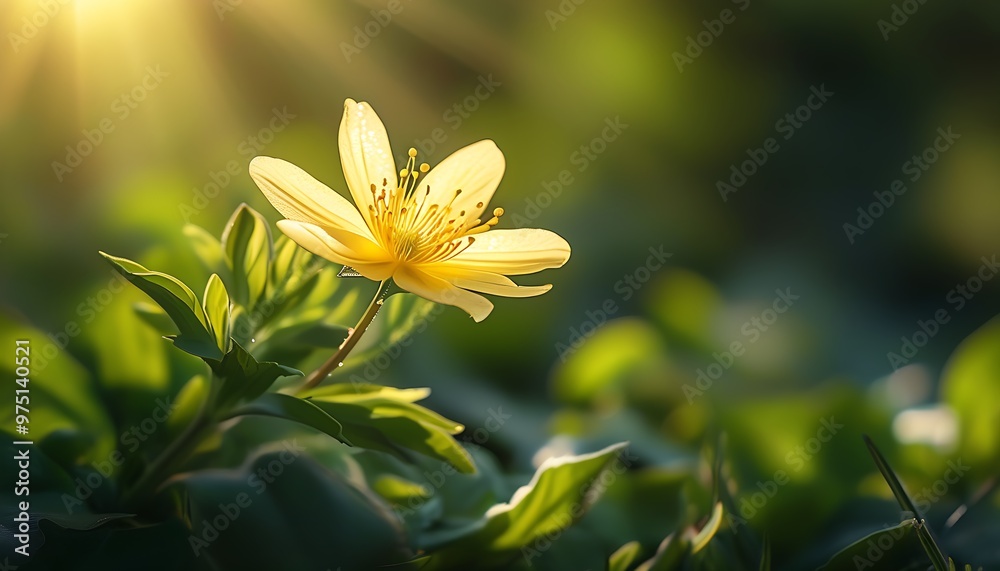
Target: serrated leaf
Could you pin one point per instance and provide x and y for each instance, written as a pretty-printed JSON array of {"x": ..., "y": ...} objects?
[
  {"x": 217, "y": 310},
  {"x": 288, "y": 407},
  {"x": 178, "y": 301},
  {"x": 248, "y": 245},
  {"x": 624, "y": 556}
]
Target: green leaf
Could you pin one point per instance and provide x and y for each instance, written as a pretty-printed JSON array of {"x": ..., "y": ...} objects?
[
  {"x": 765, "y": 556},
  {"x": 888, "y": 549},
  {"x": 217, "y": 310},
  {"x": 623, "y": 557},
  {"x": 247, "y": 242},
  {"x": 905, "y": 503},
  {"x": 970, "y": 384},
  {"x": 187, "y": 403},
  {"x": 310, "y": 516},
  {"x": 669, "y": 555},
  {"x": 386, "y": 419},
  {"x": 291, "y": 408},
  {"x": 154, "y": 316},
  {"x": 243, "y": 377},
  {"x": 178, "y": 301},
  {"x": 208, "y": 249},
  {"x": 69, "y": 401},
  {"x": 708, "y": 532},
  {"x": 561, "y": 491}
]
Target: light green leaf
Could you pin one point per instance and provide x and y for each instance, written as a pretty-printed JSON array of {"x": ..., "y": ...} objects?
[
  {"x": 247, "y": 242},
  {"x": 386, "y": 419},
  {"x": 708, "y": 532},
  {"x": 208, "y": 249},
  {"x": 389, "y": 428},
  {"x": 623, "y": 557},
  {"x": 561, "y": 491},
  {"x": 178, "y": 301},
  {"x": 971, "y": 386},
  {"x": 217, "y": 310},
  {"x": 291, "y": 408}
]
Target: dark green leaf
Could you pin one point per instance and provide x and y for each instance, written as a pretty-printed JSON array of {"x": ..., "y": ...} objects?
[
  {"x": 291, "y": 408},
  {"x": 243, "y": 377},
  {"x": 178, "y": 301}
]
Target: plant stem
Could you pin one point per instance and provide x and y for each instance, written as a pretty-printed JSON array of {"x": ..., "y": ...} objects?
[
  {"x": 317, "y": 376},
  {"x": 156, "y": 472}
]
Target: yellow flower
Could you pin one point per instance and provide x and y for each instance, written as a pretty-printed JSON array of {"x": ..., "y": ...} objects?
[{"x": 425, "y": 230}]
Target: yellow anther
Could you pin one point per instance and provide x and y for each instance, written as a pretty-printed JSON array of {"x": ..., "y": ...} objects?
[
  {"x": 424, "y": 167},
  {"x": 412, "y": 152},
  {"x": 498, "y": 212},
  {"x": 404, "y": 173}
]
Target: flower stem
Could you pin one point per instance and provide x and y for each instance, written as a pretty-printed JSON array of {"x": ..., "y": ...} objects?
[{"x": 317, "y": 376}]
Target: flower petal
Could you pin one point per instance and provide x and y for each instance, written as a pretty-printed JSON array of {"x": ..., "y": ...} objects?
[
  {"x": 487, "y": 282},
  {"x": 365, "y": 153},
  {"x": 340, "y": 246},
  {"x": 513, "y": 252},
  {"x": 298, "y": 196},
  {"x": 438, "y": 290},
  {"x": 475, "y": 169}
]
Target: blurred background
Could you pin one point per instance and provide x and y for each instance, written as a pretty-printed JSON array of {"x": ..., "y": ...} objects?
[{"x": 716, "y": 166}]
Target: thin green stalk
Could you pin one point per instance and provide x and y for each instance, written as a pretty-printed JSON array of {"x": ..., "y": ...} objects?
[
  {"x": 163, "y": 465},
  {"x": 317, "y": 376}
]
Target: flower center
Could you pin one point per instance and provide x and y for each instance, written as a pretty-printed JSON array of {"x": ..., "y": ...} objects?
[{"x": 413, "y": 230}]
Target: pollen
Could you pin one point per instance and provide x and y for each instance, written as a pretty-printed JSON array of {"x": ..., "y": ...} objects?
[{"x": 415, "y": 227}]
